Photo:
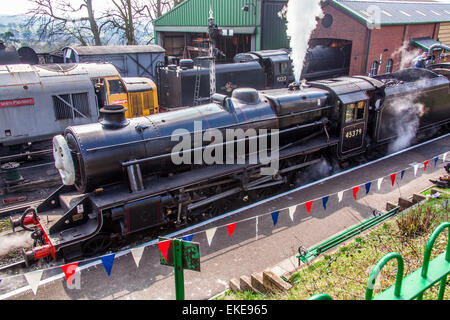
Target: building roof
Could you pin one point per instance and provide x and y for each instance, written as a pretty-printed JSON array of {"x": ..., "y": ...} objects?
[
  {"x": 425, "y": 43},
  {"x": 195, "y": 13},
  {"x": 395, "y": 12},
  {"x": 105, "y": 50}
]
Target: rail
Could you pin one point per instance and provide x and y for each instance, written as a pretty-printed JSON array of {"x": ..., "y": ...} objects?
[{"x": 414, "y": 285}]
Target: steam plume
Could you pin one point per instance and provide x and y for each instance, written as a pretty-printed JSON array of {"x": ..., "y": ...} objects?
[{"x": 301, "y": 18}]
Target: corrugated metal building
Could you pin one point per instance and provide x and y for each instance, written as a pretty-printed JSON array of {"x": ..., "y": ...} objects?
[
  {"x": 130, "y": 61},
  {"x": 248, "y": 25}
]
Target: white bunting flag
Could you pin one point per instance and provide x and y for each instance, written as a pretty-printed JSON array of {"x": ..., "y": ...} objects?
[
  {"x": 292, "y": 211},
  {"x": 445, "y": 157},
  {"x": 380, "y": 181},
  {"x": 416, "y": 167},
  {"x": 137, "y": 255},
  {"x": 33, "y": 279},
  {"x": 210, "y": 235},
  {"x": 340, "y": 195}
]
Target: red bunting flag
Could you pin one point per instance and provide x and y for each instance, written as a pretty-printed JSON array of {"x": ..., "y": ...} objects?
[
  {"x": 393, "y": 177},
  {"x": 69, "y": 271},
  {"x": 230, "y": 228},
  {"x": 355, "y": 192},
  {"x": 309, "y": 206},
  {"x": 164, "y": 248},
  {"x": 426, "y": 164}
]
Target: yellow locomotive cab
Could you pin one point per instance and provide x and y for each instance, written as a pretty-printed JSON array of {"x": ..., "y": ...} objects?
[{"x": 142, "y": 97}]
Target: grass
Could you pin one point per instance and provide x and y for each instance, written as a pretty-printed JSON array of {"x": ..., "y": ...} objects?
[
  {"x": 5, "y": 225},
  {"x": 343, "y": 274}
]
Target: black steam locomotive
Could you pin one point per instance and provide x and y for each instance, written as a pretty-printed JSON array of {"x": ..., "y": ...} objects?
[
  {"x": 267, "y": 69},
  {"x": 120, "y": 178}
]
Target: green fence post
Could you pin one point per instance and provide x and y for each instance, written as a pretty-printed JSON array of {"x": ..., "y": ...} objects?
[
  {"x": 321, "y": 296},
  {"x": 377, "y": 269},
  {"x": 427, "y": 256},
  {"x": 178, "y": 267}
]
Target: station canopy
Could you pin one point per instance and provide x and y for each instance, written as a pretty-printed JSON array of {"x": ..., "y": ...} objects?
[{"x": 425, "y": 43}]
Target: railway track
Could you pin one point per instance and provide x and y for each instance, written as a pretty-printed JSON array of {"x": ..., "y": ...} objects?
[
  {"x": 17, "y": 157},
  {"x": 18, "y": 209}
]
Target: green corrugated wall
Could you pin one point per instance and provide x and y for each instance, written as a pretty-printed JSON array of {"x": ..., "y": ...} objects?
[
  {"x": 229, "y": 13},
  {"x": 196, "y": 13},
  {"x": 274, "y": 28}
]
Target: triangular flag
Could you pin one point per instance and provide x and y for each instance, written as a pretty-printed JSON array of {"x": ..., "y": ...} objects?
[
  {"x": 210, "y": 235},
  {"x": 325, "y": 201},
  {"x": 368, "y": 186},
  {"x": 33, "y": 279},
  {"x": 426, "y": 164},
  {"x": 436, "y": 161},
  {"x": 137, "y": 255},
  {"x": 108, "y": 262},
  {"x": 380, "y": 181},
  {"x": 292, "y": 211},
  {"x": 275, "y": 217},
  {"x": 340, "y": 195},
  {"x": 403, "y": 174},
  {"x": 164, "y": 248},
  {"x": 355, "y": 192},
  {"x": 416, "y": 167},
  {"x": 309, "y": 206},
  {"x": 69, "y": 271},
  {"x": 188, "y": 238},
  {"x": 393, "y": 177},
  {"x": 230, "y": 228}
]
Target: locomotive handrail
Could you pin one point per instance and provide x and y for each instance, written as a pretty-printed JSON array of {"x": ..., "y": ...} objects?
[
  {"x": 203, "y": 131},
  {"x": 168, "y": 155}
]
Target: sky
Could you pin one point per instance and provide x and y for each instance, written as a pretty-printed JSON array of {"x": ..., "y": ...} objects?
[{"x": 22, "y": 6}]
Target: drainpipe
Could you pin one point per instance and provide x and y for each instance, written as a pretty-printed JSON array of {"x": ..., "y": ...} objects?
[
  {"x": 368, "y": 51},
  {"x": 258, "y": 29}
]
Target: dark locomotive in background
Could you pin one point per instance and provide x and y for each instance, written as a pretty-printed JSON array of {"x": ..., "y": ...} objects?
[
  {"x": 268, "y": 69},
  {"x": 118, "y": 173}
]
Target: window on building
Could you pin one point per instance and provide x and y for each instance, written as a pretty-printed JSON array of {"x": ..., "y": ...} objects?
[
  {"x": 389, "y": 66},
  {"x": 374, "y": 68}
]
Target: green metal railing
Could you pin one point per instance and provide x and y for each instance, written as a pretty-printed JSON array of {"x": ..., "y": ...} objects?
[
  {"x": 307, "y": 255},
  {"x": 414, "y": 285}
]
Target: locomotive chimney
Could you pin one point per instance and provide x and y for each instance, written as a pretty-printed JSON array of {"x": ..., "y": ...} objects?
[{"x": 114, "y": 116}]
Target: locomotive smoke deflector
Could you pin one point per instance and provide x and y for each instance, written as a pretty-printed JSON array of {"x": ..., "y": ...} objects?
[{"x": 63, "y": 160}]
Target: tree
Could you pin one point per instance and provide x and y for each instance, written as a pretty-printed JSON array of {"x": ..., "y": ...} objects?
[
  {"x": 60, "y": 20},
  {"x": 127, "y": 16}
]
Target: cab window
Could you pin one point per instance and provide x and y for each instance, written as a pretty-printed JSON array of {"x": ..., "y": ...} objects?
[
  {"x": 284, "y": 68},
  {"x": 355, "y": 111},
  {"x": 116, "y": 87}
]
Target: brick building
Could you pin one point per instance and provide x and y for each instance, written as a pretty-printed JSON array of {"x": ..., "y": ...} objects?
[{"x": 375, "y": 31}]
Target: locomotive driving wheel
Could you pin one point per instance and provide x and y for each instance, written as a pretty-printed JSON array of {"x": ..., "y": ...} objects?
[{"x": 97, "y": 245}]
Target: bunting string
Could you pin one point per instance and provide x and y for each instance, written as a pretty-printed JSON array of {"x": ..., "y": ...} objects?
[{"x": 34, "y": 278}]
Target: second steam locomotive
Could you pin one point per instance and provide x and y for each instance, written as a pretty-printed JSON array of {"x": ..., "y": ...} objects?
[{"x": 119, "y": 178}]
